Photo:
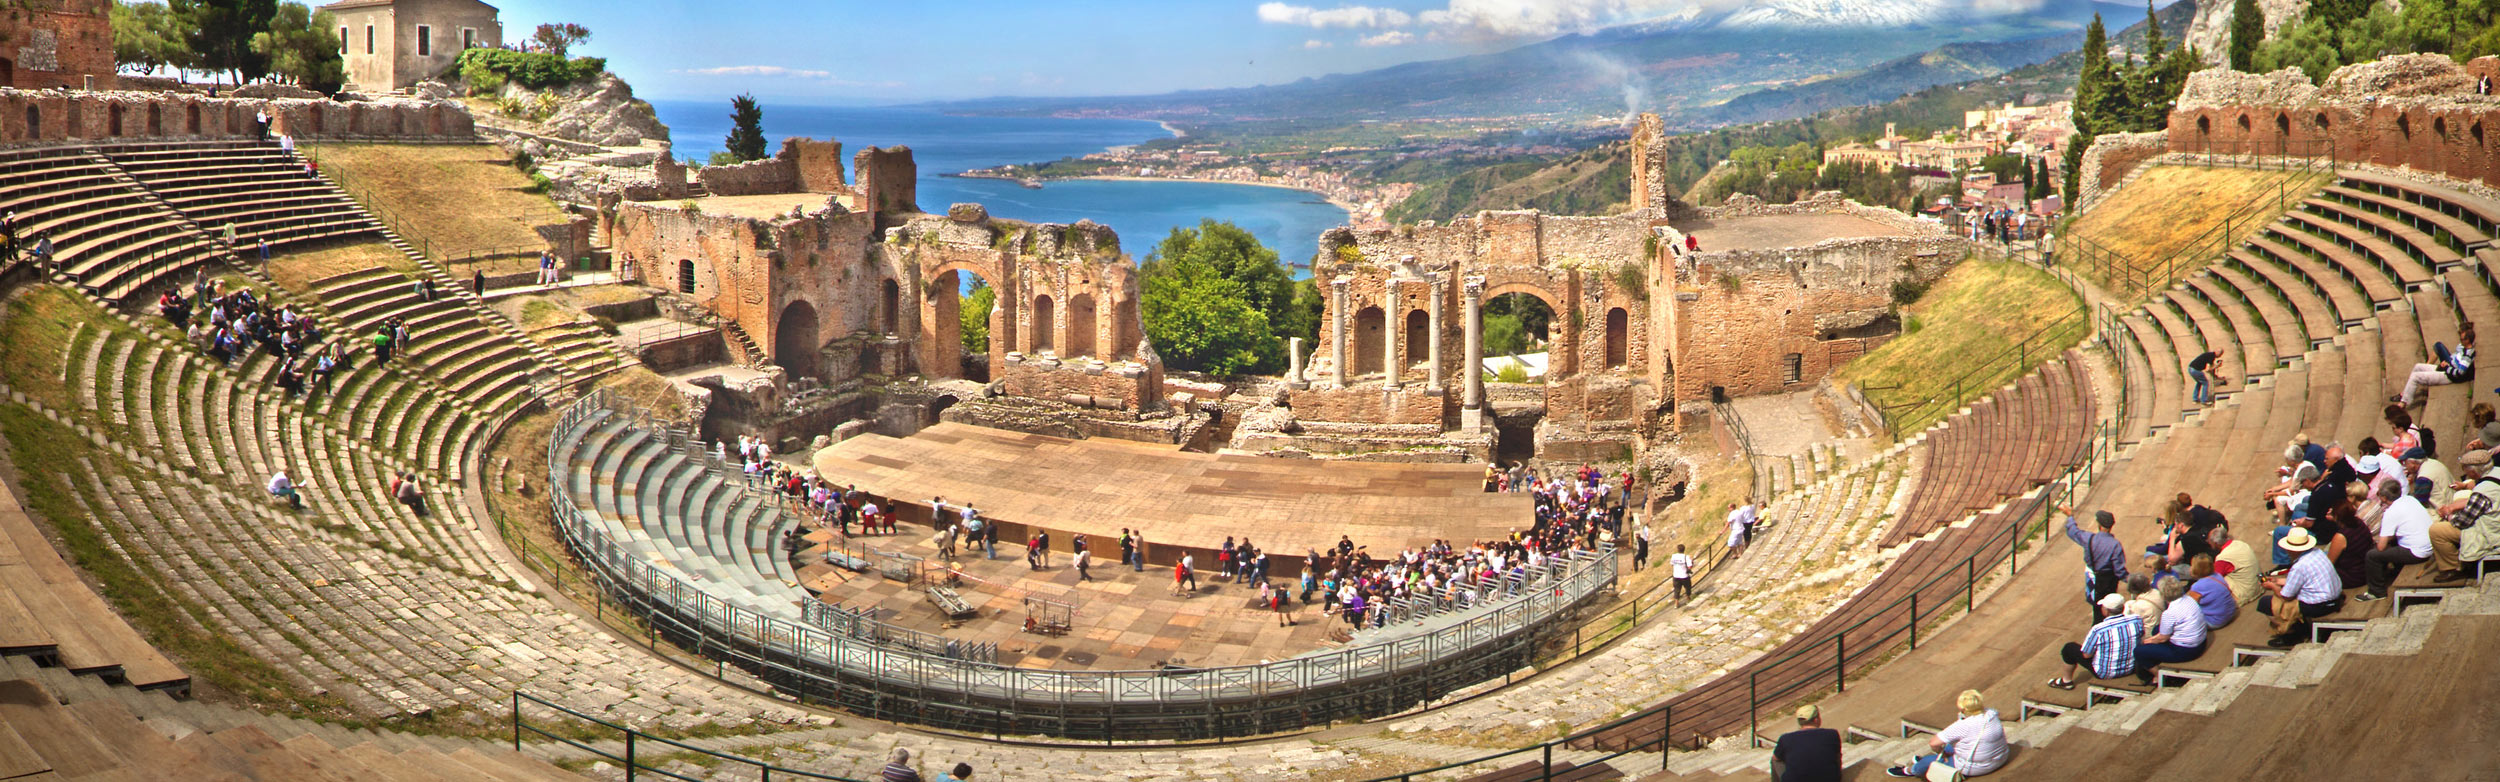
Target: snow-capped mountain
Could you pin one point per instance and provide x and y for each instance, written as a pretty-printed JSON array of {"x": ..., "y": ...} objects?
[{"x": 1762, "y": 14}]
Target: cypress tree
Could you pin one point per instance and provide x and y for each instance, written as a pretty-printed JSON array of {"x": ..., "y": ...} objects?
[
  {"x": 2248, "y": 29},
  {"x": 746, "y": 130}
]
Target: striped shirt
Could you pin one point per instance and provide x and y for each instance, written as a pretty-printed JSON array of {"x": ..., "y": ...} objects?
[
  {"x": 2312, "y": 579},
  {"x": 2112, "y": 645}
]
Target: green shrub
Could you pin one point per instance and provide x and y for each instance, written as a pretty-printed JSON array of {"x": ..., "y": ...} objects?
[
  {"x": 535, "y": 70},
  {"x": 1513, "y": 372},
  {"x": 1904, "y": 292}
]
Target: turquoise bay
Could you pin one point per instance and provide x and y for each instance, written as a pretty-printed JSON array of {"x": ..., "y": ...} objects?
[{"x": 1288, "y": 221}]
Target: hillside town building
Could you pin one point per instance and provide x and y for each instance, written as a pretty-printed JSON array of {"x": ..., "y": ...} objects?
[{"x": 391, "y": 44}]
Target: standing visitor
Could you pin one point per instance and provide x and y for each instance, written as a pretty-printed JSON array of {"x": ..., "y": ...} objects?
[
  {"x": 1083, "y": 560},
  {"x": 1681, "y": 567},
  {"x": 1640, "y": 547},
  {"x": 2104, "y": 558},
  {"x": 2202, "y": 369},
  {"x": 477, "y": 281}
]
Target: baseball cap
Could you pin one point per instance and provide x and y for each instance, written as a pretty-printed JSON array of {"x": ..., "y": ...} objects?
[{"x": 2112, "y": 601}]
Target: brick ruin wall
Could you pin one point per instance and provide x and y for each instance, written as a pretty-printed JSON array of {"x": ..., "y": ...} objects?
[
  {"x": 1066, "y": 319},
  {"x": 762, "y": 273},
  {"x": 53, "y": 116},
  {"x": 2422, "y": 112},
  {"x": 62, "y": 45},
  {"x": 802, "y": 166},
  {"x": 2110, "y": 158},
  {"x": 1739, "y": 315}
]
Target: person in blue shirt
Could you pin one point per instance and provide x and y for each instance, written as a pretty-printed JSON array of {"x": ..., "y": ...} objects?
[
  {"x": 2455, "y": 366},
  {"x": 2104, "y": 558}
]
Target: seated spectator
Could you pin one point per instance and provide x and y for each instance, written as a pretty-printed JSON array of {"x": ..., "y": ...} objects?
[
  {"x": 2466, "y": 530},
  {"x": 1973, "y": 745},
  {"x": 898, "y": 768},
  {"x": 2108, "y": 649},
  {"x": 2179, "y": 638},
  {"x": 2212, "y": 594},
  {"x": 1811, "y": 753},
  {"x": 2403, "y": 539},
  {"x": 2455, "y": 366},
  {"x": 961, "y": 773},
  {"x": 2236, "y": 562},
  {"x": 2307, "y": 590}
]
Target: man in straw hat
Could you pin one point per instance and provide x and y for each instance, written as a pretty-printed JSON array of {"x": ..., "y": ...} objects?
[{"x": 2307, "y": 590}]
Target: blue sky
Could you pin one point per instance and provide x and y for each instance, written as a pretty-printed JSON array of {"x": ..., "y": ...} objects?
[{"x": 844, "y": 51}]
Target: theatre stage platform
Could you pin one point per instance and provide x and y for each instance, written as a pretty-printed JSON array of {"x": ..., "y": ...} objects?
[{"x": 1192, "y": 500}]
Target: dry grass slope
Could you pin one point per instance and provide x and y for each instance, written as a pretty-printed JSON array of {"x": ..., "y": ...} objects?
[
  {"x": 460, "y": 199},
  {"x": 1968, "y": 322},
  {"x": 2170, "y": 209}
]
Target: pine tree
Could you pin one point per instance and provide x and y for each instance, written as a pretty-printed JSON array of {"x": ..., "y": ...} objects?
[
  {"x": 746, "y": 129},
  {"x": 2156, "y": 46},
  {"x": 2248, "y": 29},
  {"x": 2093, "y": 80}
]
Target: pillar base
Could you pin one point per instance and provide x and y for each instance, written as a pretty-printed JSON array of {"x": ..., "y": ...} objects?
[{"x": 1471, "y": 419}]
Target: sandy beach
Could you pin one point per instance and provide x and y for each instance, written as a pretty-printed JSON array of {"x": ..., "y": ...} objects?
[{"x": 1350, "y": 211}]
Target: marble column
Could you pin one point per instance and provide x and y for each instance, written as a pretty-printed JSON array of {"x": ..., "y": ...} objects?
[
  {"x": 1473, "y": 295},
  {"x": 1293, "y": 355},
  {"x": 1433, "y": 380},
  {"x": 1392, "y": 324},
  {"x": 1337, "y": 302}
]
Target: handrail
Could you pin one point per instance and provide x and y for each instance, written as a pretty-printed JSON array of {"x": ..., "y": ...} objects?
[
  {"x": 1385, "y": 676},
  {"x": 2102, "y": 449},
  {"x": 2133, "y": 279},
  {"x": 632, "y": 759},
  {"x": 1744, "y": 444},
  {"x": 1970, "y": 380}
]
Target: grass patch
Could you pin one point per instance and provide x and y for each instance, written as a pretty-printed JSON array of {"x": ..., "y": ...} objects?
[
  {"x": 452, "y": 200},
  {"x": 220, "y": 667},
  {"x": 297, "y": 270},
  {"x": 2169, "y": 210},
  {"x": 34, "y": 340},
  {"x": 1968, "y": 323}
]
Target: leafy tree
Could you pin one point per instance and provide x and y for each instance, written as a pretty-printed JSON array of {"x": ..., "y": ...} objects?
[
  {"x": 975, "y": 312},
  {"x": 2006, "y": 167},
  {"x": 150, "y": 36},
  {"x": 1216, "y": 301},
  {"x": 486, "y": 70},
  {"x": 221, "y": 31},
  {"x": 746, "y": 129},
  {"x": 2248, "y": 31},
  {"x": 1515, "y": 323},
  {"x": 558, "y": 39},
  {"x": 302, "y": 45}
]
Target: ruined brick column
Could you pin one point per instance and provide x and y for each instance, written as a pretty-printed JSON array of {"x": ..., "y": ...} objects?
[
  {"x": 1433, "y": 380},
  {"x": 1337, "y": 302},
  {"x": 1391, "y": 323},
  {"x": 1293, "y": 355},
  {"x": 1472, "y": 412}
]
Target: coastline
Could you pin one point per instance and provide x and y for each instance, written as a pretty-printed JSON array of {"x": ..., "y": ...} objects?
[
  {"x": 1172, "y": 129},
  {"x": 1349, "y": 209}
]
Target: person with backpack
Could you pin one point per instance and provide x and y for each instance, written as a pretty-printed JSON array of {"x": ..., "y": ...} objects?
[{"x": 2455, "y": 366}]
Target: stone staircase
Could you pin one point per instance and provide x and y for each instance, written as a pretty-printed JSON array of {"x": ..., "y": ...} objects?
[{"x": 108, "y": 237}]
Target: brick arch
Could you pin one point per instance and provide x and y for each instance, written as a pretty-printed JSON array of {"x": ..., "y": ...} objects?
[
  {"x": 1562, "y": 344},
  {"x": 941, "y": 326}
]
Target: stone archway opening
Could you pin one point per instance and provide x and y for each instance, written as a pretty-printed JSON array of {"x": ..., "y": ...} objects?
[
  {"x": 963, "y": 322},
  {"x": 34, "y": 122},
  {"x": 1618, "y": 338},
  {"x": 1081, "y": 325},
  {"x": 1516, "y": 324},
  {"x": 113, "y": 120},
  {"x": 1370, "y": 333},
  {"x": 191, "y": 119},
  {"x": 937, "y": 408},
  {"x": 891, "y": 305},
  {"x": 1044, "y": 327},
  {"x": 794, "y": 339},
  {"x": 1417, "y": 339}
]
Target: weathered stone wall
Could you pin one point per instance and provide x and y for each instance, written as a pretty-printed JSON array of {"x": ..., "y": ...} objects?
[
  {"x": 2111, "y": 158},
  {"x": 2418, "y": 111},
  {"x": 802, "y": 166},
  {"x": 1080, "y": 382},
  {"x": 1372, "y": 403},
  {"x": 61, "y": 43},
  {"x": 1064, "y": 292},
  {"x": 889, "y": 182},
  {"x": 1741, "y": 315},
  {"x": 795, "y": 284},
  {"x": 51, "y": 116}
]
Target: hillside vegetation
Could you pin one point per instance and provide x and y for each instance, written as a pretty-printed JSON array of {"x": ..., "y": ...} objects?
[
  {"x": 457, "y": 200},
  {"x": 1969, "y": 322},
  {"x": 2168, "y": 210},
  {"x": 1595, "y": 181}
]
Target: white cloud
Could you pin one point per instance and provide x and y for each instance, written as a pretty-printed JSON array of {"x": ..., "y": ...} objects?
[
  {"x": 1389, "y": 38},
  {"x": 1352, "y": 16},
  {"x": 759, "y": 70},
  {"x": 1505, "y": 18},
  {"x": 779, "y": 72},
  {"x": 1316, "y": 44}
]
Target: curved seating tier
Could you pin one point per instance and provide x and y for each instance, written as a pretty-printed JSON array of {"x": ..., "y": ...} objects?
[
  {"x": 451, "y": 342},
  {"x": 72, "y": 728},
  {"x": 679, "y": 508},
  {"x": 259, "y": 189},
  {"x": 107, "y": 234},
  {"x": 2005, "y": 445}
]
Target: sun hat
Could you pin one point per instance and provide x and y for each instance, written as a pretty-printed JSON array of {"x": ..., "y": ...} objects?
[
  {"x": 2112, "y": 601},
  {"x": 2298, "y": 540}
]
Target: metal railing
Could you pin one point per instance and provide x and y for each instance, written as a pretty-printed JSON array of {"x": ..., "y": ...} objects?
[
  {"x": 1744, "y": 446},
  {"x": 2132, "y": 278},
  {"x": 1363, "y": 680},
  {"x": 423, "y": 241},
  {"x": 634, "y": 758},
  {"x": 1828, "y": 662},
  {"x": 2011, "y": 362}
]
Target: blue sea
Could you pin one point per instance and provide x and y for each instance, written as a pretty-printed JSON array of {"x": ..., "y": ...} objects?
[{"x": 1287, "y": 221}]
